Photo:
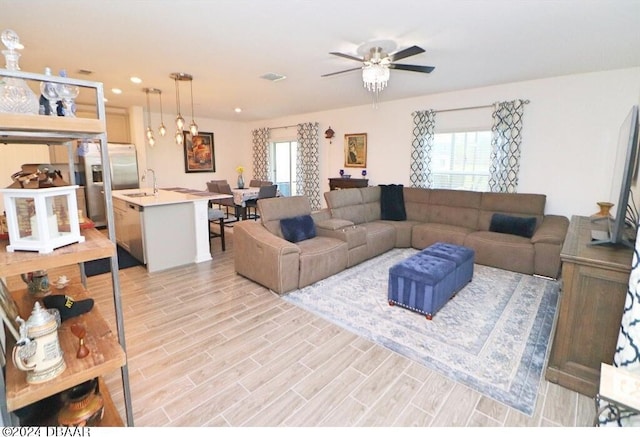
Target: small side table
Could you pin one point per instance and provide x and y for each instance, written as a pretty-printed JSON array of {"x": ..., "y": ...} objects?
[{"x": 620, "y": 389}]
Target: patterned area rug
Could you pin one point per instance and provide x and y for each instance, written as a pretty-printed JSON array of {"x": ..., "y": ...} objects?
[{"x": 492, "y": 336}]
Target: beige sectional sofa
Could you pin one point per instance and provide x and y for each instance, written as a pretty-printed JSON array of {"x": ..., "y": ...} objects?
[{"x": 350, "y": 230}]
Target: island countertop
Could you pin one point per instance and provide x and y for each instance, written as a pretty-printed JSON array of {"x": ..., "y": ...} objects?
[{"x": 146, "y": 198}]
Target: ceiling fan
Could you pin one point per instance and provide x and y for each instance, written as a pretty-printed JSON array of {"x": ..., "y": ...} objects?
[{"x": 378, "y": 58}]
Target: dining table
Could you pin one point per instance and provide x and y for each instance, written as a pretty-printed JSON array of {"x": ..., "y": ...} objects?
[{"x": 240, "y": 197}]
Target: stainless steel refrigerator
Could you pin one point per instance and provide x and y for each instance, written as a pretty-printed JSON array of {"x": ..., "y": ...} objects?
[{"x": 123, "y": 169}]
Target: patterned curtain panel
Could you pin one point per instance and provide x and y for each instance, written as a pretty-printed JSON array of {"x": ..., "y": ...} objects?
[
  {"x": 421, "y": 148},
  {"x": 627, "y": 355},
  {"x": 261, "y": 154},
  {"x": 308, "y": 164},
  {"x": 505, "y": 144}
]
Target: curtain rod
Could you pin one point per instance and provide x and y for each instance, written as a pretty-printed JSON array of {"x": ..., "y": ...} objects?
[
  {"x": 283, "y": 127},
  {"x": 472, "y": 107}
]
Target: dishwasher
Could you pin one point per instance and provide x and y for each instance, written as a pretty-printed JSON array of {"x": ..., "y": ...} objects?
[{"x": 133, "y": 223}]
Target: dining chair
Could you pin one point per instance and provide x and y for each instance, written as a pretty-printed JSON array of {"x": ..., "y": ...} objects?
[
  {"x": 216, "y": 215},
  {"x": 255, "y": 183},
  {"x": 265, "y": 192},
  {"x": 263, "y": 183},
  {"x": 224, "y": 188}
]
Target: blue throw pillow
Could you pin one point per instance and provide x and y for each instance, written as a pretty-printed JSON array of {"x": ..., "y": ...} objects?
[
  {"x": 298, "y": 228},
  {"x": 508, "y": 224}
]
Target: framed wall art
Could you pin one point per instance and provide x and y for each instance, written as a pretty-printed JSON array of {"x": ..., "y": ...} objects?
[
  {"x": 355, "y": 150},
  {"x": 199, "y": 152}
]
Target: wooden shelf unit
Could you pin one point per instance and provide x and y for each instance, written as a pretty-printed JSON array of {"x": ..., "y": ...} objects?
[
  {"x": 106, "y": 354},
  {"x": 342, "y": 183},
  {"x": 108, "y": 350}
]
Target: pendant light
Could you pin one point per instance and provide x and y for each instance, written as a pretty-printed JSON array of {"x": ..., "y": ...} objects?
[
  {"x": 149, "y": 131},
  {"x": 193, "y": 127},
  {"x": 161, "y": 130}
]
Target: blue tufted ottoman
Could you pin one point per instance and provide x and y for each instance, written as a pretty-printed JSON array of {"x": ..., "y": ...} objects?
[
  {"x": 422, "y": 283},
  {"x": 464, "y": 258}
]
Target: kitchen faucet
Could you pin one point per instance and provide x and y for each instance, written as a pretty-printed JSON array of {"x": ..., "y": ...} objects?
[{"x": 155, "y": 183}]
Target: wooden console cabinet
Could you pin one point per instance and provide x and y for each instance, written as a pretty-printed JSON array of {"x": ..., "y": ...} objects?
[
  {"x": 595, "y": 280},
  {"x": 341, "y": 183}
]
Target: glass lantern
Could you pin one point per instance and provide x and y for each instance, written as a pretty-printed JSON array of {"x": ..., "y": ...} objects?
[{"x": 42, "y": 219}]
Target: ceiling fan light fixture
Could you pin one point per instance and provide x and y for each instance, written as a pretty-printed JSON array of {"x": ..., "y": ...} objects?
[{"x": 375, "y": 77}]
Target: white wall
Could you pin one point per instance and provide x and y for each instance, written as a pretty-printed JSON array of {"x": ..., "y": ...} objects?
[
  {"x": 167, "y": 158},
  {"x": 569, "y": 137},
  {"x": 12, "y": 156}
]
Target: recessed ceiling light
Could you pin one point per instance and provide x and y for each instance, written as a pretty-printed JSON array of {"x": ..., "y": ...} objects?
[
  {"x": 238, "y": 110},
  {"x": 136, "y": 79},
  {"x": 116, "y": 90},
  {"x": 274, "y": 77}
]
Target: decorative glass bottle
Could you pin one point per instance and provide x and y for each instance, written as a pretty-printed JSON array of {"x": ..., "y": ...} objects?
[
  {"x": 15, "y": 94},
  {"x": 68, "y": 94},
  {"x": 50, "y": 93}
]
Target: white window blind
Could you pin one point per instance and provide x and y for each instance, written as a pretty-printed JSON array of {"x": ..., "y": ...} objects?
[{"x": 461, "y": 160}]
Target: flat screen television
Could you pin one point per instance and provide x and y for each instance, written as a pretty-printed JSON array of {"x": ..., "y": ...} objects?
[{"x": 622, "y": 227}]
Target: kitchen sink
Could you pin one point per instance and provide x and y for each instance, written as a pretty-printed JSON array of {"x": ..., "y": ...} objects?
[{"x": 139, "y": 195}]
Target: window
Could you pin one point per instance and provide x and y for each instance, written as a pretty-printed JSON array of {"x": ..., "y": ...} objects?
[
  {"x": 283, "y": 155},
  {"x": 461, "y": 160}
]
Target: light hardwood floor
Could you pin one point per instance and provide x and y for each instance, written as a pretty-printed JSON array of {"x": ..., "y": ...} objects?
[{"x": 207, "y": 347}]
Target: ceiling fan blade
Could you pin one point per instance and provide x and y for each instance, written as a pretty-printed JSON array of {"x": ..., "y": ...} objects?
[
  {"x": 411, "y": 51},
  {"x": 417, "y": 68},
  {"x": 343, "y": 71},
  {"x": 342, "y": 55}
]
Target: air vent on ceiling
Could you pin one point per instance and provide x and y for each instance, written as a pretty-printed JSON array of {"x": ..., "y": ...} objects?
[
  {"x": 273, "y": 77},
  {"x": 85, "y": 72}
]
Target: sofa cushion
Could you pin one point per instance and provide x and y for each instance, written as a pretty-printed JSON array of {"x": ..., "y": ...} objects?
[
  {"x": 504, "y": 251},
  {"x": 298, "y": 228},
  {"x": 371, "y": 202},
  {"x": 320, "y": 258},
  {"x": 346, "y": 204},
  {"x": 381, "y": 237},
  {"x": 516, "y": 204},
  {"x": 274, "y": 209},
  {"x": 425, "y": 234},
  {"x": 509, "y": 224},
  {"x": 392, "y": 202},
  {"x": 454, "y": 207}
]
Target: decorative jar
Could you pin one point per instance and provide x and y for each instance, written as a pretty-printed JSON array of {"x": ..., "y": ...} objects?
[{"x": 15, "y": 94}]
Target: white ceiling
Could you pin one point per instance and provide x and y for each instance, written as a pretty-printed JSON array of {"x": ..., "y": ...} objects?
[{"x": 228, "y": 44}]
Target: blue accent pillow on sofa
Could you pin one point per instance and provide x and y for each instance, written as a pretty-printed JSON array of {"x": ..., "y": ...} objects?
[
  {"x": 298, "y": 228},
  {"x": 392, "y": 202},
  {"x": 508, "y": 224}
]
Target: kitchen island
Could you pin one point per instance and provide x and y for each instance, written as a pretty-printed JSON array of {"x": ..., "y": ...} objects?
[{"x": 167, "y": 229}]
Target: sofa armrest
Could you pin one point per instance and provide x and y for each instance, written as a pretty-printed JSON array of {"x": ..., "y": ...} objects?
[
  {"x": 265, "y": 258},
  {"x": 333, "y": 224},
  {"x": 552, "y": 230}
]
